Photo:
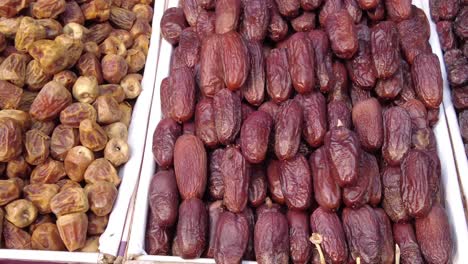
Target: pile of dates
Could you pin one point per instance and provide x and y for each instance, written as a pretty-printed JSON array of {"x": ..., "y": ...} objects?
[
  {"x": 299, "y": 131},
  {"x": 451, "y": 18},
  {"x": 69, "y": 74}
]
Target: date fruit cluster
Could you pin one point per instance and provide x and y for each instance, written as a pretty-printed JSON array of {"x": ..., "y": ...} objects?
[
  {"x": 451, "y": 18},
  {"x": 298, "y": 131},
  {"x": 69, "y": 74}
]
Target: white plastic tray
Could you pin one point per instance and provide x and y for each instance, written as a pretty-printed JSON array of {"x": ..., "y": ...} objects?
[
  {"x": 110, "y": 240},
  {"x": 136, "y": 244},
  {"x": 452, "y": 118}
]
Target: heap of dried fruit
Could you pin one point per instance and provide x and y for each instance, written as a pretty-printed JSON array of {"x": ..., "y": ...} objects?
[
  {"x": 451, "y": 18},
  {"x": 300, "y": 131},
  {"x": 69, "y": 74}
]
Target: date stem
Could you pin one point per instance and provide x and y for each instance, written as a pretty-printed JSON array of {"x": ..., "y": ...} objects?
[
  {"x": 397, "y": 254},
  {"x": 316, "y": 239}
]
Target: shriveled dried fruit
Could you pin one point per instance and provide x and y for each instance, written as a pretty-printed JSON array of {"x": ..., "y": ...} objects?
[
  {"x": 254, "y": 136},
  {"x": 51, "y": 171},
  {"x": 392, "y": 200},
  {"x": 50, "y": 101},
  {"x": 164, "y": 198},
  {"x": 101, "y": 197},
  {"x": 190, "y": 165},
  {"x": 288, "y": 128},
  {"x": 62, "y": 140},
  {"x": 10, "y": 190},
  {"x": 227, "y": 114},
  {"x": 13, "y": 69},
  {"x": 92, "y": 135},
  {"x": 72, "y": 229},
  {"x": 77, "y": 161},
  {"x": 397, "y": 135},
  {"x": 405, "y": 238},
  {"x": 172, "y": 24},
  {"x": 234, "y": 59},
  {"x": 46, "y": 237},
  {"x": 296, "y": 182},
  {"x": 97, "y": 224},
  {"x": 40, "y": 195},
  {"x": 301, "y": 59},
  {"x": 21, "y": 213},
  {"x": 17, "y": 167},
  {"x": 279, "y": 84},
  {"x": 367, "y": 120},
  {"x": 15, "y": 238},
  {"x": 230, "y": 248},
  {"x": 192, "y": 228},
  {"x": 157, "y": 239},
  {"x": 236, "y": 177},
  {"x": 299, "y": 232},
  {"x": 36, "y": 147},
  {"x": 114, "y": 68},
  {"x": 427, "y": 79},
  {"x": 101, "y": 170},
  {"x": 384, "y": 46},
  {"x": 71, "y": 200},
  {"x": 11, "y": 139},
  {"x": 10, "y": 95},
  {"x": 328, "y": 226},
  {"x": 342, "y": 33},
  {"x": 388, "y": 246}
]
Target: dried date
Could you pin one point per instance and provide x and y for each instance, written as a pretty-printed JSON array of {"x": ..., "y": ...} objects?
[
  {"x": 164, "y": 198},
  {"x": 236, "y": 177},
  {"x": 230, "y": 248},
  {"x": 254, "y": 136},
  {"x": 192, "y": 228},
  {"x": 227, "y": 115},
  {"x": 164, "y": 139},
  {"x": 296, "y": 182}
]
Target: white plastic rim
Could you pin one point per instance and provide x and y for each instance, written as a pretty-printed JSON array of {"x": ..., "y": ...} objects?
[{"x": 449, "y": 183}]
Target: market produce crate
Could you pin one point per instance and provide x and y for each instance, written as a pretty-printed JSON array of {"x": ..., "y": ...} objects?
[
  {"x": 135, "y": 252},
  {"x": 459, "y": 153},
  {"x": 110, "y": 240}
]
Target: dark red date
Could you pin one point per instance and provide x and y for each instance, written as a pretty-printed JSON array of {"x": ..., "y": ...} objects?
[
  {"x": 274, "y": 184},
  {"x": 368, "y": 122},
  {"x": 205, "y": 127},
  {"x": 227, "y": 15},
  {"x": 385, "y": 226},
  {"x": 279, "y": 84},
  {"x": 215, "y": 209},
  {"x": 427, "y": 79},
  {"x": 235, "y": 59},
  {"x": 257, "y": 186},
  {"x": 288, "y": 128},
  {"x": 172, "y": 24},
  {"x": 164, "y": 138},
  {"x": 301, "y": 59},
  {"x": 227, "y": 115},
  {"x": 232, "y": 238},
  {"x": 296, "y": 182},
  {"x": 182, "y": 94},
  {"x": 342, "y": 33},
  {"x": 300, "y": 247},
  {"x": 327, "y": 192},
  {"x": 397, "y": 135},
  {"x": 271, "y": 238},
  {"x": 254, "y": 136},
  {"x": 236, "y": 177},
  {"x": 256, "y": 17},
  {"x": 164, "y": 198},
  {"x": 384, "y": 47},
  {"x": 403, "y": 234},
  {"x": 315, "y": 119},
  {"x": 192, "y": 228},
  {"x": 254, "y": 87}
]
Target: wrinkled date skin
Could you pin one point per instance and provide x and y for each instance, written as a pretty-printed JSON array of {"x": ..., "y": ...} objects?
[
  {"x": 254, "y": 136},
  {"x": 327, "y": 192},
  {"x": 172, "y": 24},
  {"x": 279, "y": 83},
  {"x": 232, "y": 238},
  {"x": 390, "y": 88},
  {"x": 192, "y": 228},
  {"x": 215, "y": 179},
  {"x": 368, "y": 122},
  {"x": 392, "y": 200},
  {"x": 215, "y": 209},
  {"x": 343, "y": 150},
  {"x": 323, "y": 59},
  {"x": 403, "y": 234},
  {"x": 361, "y": 68},
  {"x": 211, "y": 73},
  {"x": 189, "y": 45},
  {"x": 433, "y": 234},
  {"x": 446, "y": 35},
  {"x": 445, "y": 10},
  {"x": 254, "y": 87},
  {"x": 274, "y": 184},
  {"x": 205, "y": 127},
  {"x": 236, "y": 177},
  {"x": 397, "y": 135},
  {"x": 235, "y": 60},
  {"x": 157, "y": 239},
  {"x": 384, "y": 47},
  {"x": 11, "y": 139},
  {"x": 398, "y": 10},
  {"x": 328, "y": 226},
  {"x": 315, "y": 118},
  {"x": 227, "y": 15},
  {"x": 385, "y": 226},
  {"x": 278, "y": 27},
  {"x": 329, "y": 7},
  {"x": 359, "y": 194},
  {"x": 301, "y": 60},
  {"x": 342, "y": 33},
  {"x": 296, "y": 182},
  {"x": 257, "y": 186},
  {"x": 164, "y": 138},
  {"x": 256, "y": 17},
  {"x": 289, "y": 8},
  {"x": 416, "y": 191},
  {"x": 299, "y": 231},
  {"x": 190, "y": 166},
  {"x": 164, "y": 198},
  {"x": 362, "y": 231},
  {"x": 338, "y": 114},
  {"x": 271, "y": 238},
  {"x": 182, "y": 95},
  {"x": 427, "y": 79},
  {"x": 227, "y": 115},
  {"x": 288, "y": 128}
]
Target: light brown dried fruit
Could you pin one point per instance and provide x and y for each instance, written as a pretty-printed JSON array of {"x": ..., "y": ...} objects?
[
  {"x": 9, "y": 191},
  {"x": 101, "y": 170},
  {"x": 29, "y": 31},
  {"x": 46, "y": 127},
  {"x": 117, "y": 151},
  {"x": 11, "y": 139},
  {"x": 98, "y": 10},
  {"x": 50, "y": 101},
  {"x": 113, "y": 45},
  {"x": 53, "y": 27},
  {"x": 136, "y": 60},
  {"x": 63, "y": 139},
  {"x": 36, "y": 147},
  {"x": 72, "y": 229},
  {"x": 50, "y": 54},
  {"x": 124, "y": 36},
  {"x": 36, "y": 78},
  {"x": 89, "y": 65},
  {"x": 132, "y": 85},
  {"x": 101, "y": 197},
  {"x": 122, "y": 18},
  {"x": 77, "y": 112},
  {"x": 10, "y": 8},
  {"x": 114, "y": 90},
  {"x": 114, "y": 68},
  {"x": 20, "y": 116},
  {"x": 48, "y": 8},
  {"x": 117, "y": 130},
  {"x": 77, "y": 161},
  {"x": 85, "y": 89},
  {"x": 10, "y": 95},
  {"x": 15, "y": 238},
  {"x": 40, "y": 195},
  {"x": 46, "y": 237},
  {"x": 97, "y": 224},
  {"x": 51, "y": 171},
  {"x": 126, "y": 110},
  {"x": 13, "y": 69},
  {"x": 66, "y": 78},
  {"x": 18, "y": 168},
  {"x": 21, "y": 213},
  {"x": 92, "y": 135},
  {"x": 71, "y": 200},
  {"x": 107, "y": 109}
]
